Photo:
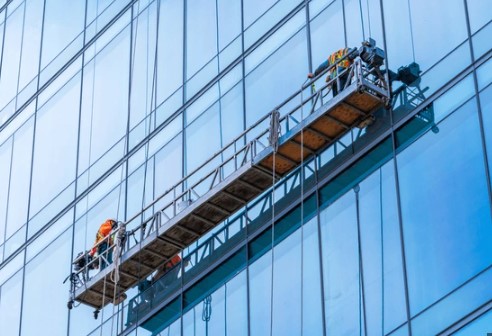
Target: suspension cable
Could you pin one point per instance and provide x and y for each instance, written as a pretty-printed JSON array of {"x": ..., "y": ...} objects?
[
  {"x": 102, "y": 305},
  {"x": 362, "y": 21},
  {"x": 368, "y": 18},
  {"x": 118, "y": 245},
  {"x": 273, "y": 140},
  {"x": 302, "y": 205},
  {"x": 411, "y": 29},
  {"x": 382, "y": 246},
  {"x": 148, "y": 117},
  {"x": 89, "y": 171}
]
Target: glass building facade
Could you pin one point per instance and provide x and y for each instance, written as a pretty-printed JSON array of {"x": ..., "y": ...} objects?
[{"x": 105, "y": 105}]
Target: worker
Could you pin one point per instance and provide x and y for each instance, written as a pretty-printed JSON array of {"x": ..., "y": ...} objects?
[
  {"x": 348, "y": 56},
  {"x": 144, "y": 286},
  {"x": 104, "y": 231},
  {"x": 168, "y": 266}
]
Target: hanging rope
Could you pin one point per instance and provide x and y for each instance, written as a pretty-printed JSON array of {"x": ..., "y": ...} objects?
[
  {"x": 302, "y": 207},
  {"x": 411, "y": 29},
  {"x": 152, "y": 105},
  {"x": 382, "y": 246},
  {"x": 219, "y": 82},
  {"x": 362, "y": 20},
  {"x": 273, "y": 141},
  {"x": 96, "y": 312},
  {"x": 368, "y": 18}
]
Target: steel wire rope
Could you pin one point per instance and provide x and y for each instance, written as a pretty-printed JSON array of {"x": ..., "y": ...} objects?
[
  {"x": 219, "y": 81},
  {"x": 90, "y": 144},
  {"x": 273, "y": 240},
  {"x": 382, "y": 246},
  {"x": 302, "y": 205},
  {"x": 368, "y": 18},
  {"x": 362, "y": 21},
  {"x": 114, "y": 275},
  {"x": 411, "y": 29},
  {"x": 274, "y": 135},
  {"x": 89, "y": 176}
]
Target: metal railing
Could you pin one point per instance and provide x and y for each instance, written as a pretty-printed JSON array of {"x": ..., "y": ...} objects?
[
  {"x": 219, "y": 243},
  {"x": 244, "y": 148}
]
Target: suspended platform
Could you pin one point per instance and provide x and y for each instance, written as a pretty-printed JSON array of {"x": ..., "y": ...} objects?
[{"x": 184, "y": 214}]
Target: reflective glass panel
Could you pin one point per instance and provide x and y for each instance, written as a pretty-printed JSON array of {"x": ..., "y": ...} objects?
[
  {"x": 41, "y": 275},
  {"x": 10, "y": 305},
  {"x": 64, "y": 20},
  {"x": 445, "y": 208},
  {"x": 486, "y": 104},
  {"x": 20, "y": 178},
  {"x": 384, "y": 290},
  {"x": 342, "y": 294},
  {"x": 55, "y": 145}
]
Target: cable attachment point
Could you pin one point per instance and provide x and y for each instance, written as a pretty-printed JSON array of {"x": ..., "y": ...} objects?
[
  {"x": 207, "y": 309},
  {"x": 274, "y": 130}
]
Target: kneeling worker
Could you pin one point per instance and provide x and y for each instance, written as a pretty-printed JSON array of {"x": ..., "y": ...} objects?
[{"x": 100, "y": 248}]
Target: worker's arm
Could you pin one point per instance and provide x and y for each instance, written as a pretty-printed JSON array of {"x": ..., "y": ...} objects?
[{"x": 323, "y": 66}]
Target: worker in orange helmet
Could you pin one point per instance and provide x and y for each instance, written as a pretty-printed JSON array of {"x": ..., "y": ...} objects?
[
  {"x": 348, "y": 56},
  {"x": 104, "y": 231}
]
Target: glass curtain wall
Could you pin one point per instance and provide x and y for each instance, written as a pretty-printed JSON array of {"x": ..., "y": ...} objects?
[{"x": 103, "y": 103}]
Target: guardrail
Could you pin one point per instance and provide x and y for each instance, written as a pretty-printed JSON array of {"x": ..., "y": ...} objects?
[{"x": 244, "y": 149}]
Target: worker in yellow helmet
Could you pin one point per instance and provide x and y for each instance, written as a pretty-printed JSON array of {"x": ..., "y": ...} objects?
[
  {"x": 348, "y": 56},
  {"x": 104, "y": 231}
]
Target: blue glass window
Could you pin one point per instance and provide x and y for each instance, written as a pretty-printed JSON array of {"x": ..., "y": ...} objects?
[
  {"x": 384, "y": 290},
  {"x": 480, "y": 13},
  {"x": 104, "y": 118},
  {"x": 63, "y": 22},
  {"x": 260, "y": 277},
  {"x": 276, "y": 78},
  {"x": 201, "y": 39},
  {"x": 31, "y": 43},
  {"x": 55, "y": 145},
  {"x": 170, "y": 49},
  {"x": 5, "y": 160},
  {"x": 11, "y": 55},
  {"x": 323, "y": 26},
  {"x": 41, "y": 275},
  {"x": 10, "y": 305},
  {"x": 341, "y": 272},
  {"x": 486, "y": 102},
  {"x": 445, "y": 208},
  {"x": 20, "y": 178}
]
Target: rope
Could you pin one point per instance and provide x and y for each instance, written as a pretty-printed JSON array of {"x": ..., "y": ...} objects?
[
  {"x": 89, "y": 173},
  {"x": 225, "y": 309},
  {"x": 273, "y": 241},
  {"x": 102, "y": 305},
  {"x": 411, "y": 29},
  {"x": 219, "y": 82},
  {"x": 362, "y": 21},
  {"x": 368, "y": 18},
  {"x": 302, "y": 208},
  {"x": 154, "y": 80},
  {"x": 382, "y": 247},
  {"x": 273, "y": 140}
]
